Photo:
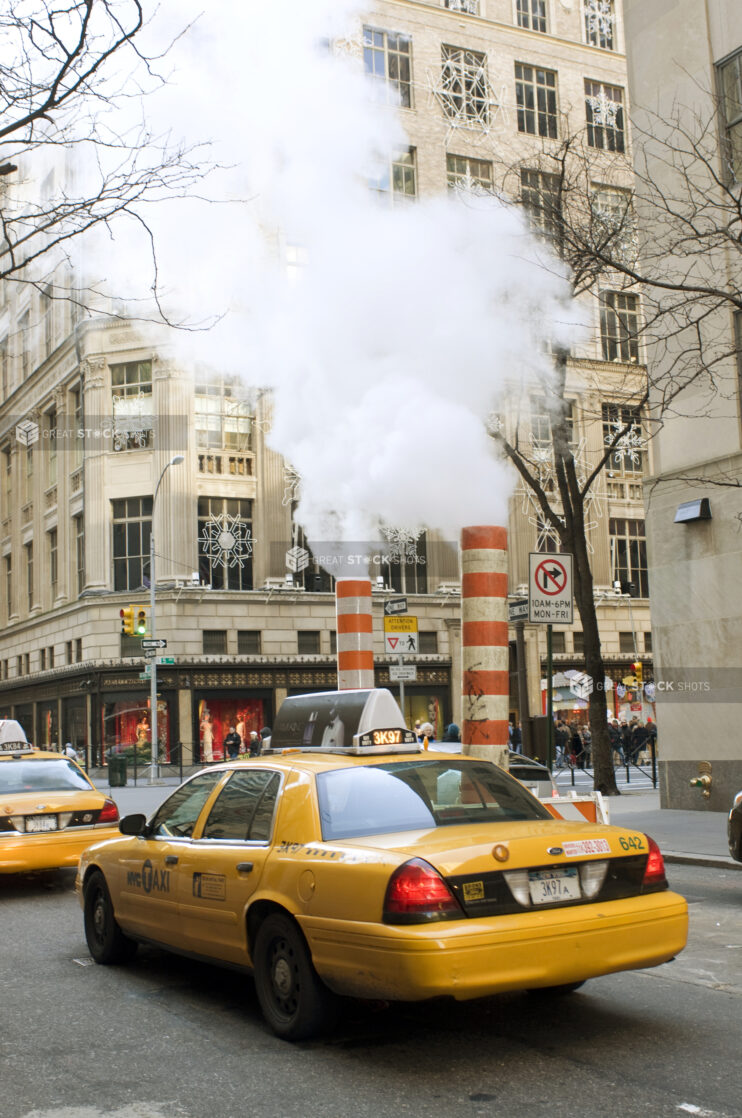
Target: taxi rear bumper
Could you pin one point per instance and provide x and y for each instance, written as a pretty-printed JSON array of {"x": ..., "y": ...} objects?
[
  {"x": 50, "y": 849},
  {"x": 476, "y": 958}
]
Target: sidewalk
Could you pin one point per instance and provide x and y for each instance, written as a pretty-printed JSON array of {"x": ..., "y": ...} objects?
[{"x": 691, "y": 837}]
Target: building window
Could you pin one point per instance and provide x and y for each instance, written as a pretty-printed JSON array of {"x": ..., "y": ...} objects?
[
  {"x": 9, "y": 584},
  {"x": 24, "y": 344},
  {"x": 132, "y": 525},
  {"x": 540, "y": 197},
  {"x": 51, "y": 447},
  {"x": 215, "y": 642},
  {"x": 248, "y": 642},
  {"x": 53, "y": 560},
  {"x": 472, "y": 174},
  {"x": 536, "y": 100},
  {"x": 558, "y": 643},
  {"x": 308, "y": 573},
  {"x": 42, "y": 659},
  {"x": 307, "y": 641},
  {"x": 68, "y": 652},
  {"x": 397, "y": 181},
  {"x": 404, "y": 566},
  {"x": 648, "y": 642},
  {"x": 730, "y": 87},
  {"x": 333, "y": 642},
  {"x": 626, "y": 642},
  {"x": 224, "y": 416},
  {"x": 428, "y": 643},
  {"x": 471, "y": 7},
  {"x": 7, "y": 467},
  {"x": 605, "y": 118},
  {"x": 600, "y": 23},
  {"x": 532, "y": 14},
  {"x": 4, "y": 368},
  {"x": 619, "y": 326},
  {"x": 78, "y": 650},
  {"x": 50, "y": 656},
  {"x": 77, "y": 413},
  {"x": 628, "y": 455},
  {"x": 28, "y": 548},
  {"x": 578, "y": 642},
  {"x": 131, "y": 388},
  {"x": 46, "y": 305},
  {"x": 79, "y": 538},
  {"x": 629, "y": 556},
  {"x": 387, "y": 59},
  {"x": 19, "y": 665},
  {"x": 464, "y": 86},
  {"x": 225, "y": 543}
]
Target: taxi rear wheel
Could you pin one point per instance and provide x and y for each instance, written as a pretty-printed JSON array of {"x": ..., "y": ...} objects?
[
  {"x": 106, "y": 942},
  {"x": 294, "y": 1000}
]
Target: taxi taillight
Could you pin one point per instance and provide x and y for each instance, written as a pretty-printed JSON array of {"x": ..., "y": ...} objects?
[
  {"x": 109, "y": 813},
  {"x": 416, "y": 894},
  {"x": 654, "y": 871}
]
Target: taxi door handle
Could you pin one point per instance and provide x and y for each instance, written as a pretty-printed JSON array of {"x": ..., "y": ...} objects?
[
  {"x": 171, "y": 859},
  {"x": 245, "y": 867}
]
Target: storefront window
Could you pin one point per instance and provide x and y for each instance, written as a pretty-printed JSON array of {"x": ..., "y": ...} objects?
[
  {"x": 127, "y": 727},
  {"x": 216, "y": 715},
  {"x": 47, "y": 736},
  {"x": 425, "y": 707},
  {"x": 75, "y": 725},
  {"x": 24, "y": 714}
]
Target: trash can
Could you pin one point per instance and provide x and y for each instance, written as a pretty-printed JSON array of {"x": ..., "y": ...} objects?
[{"x": 116, "y": 771}]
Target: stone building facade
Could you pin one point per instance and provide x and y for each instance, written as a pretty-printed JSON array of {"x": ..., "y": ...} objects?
[{"x": 91, "y": 415}]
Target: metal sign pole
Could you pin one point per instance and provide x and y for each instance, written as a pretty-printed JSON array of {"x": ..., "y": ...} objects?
[
  {"x": 400, "y": 661},
  {"x": 523, "y": 708},
  {"x": 549, "y": 699}
]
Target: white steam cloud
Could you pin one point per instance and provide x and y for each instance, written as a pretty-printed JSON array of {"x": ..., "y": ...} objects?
[{"x": 398, "y": 335}]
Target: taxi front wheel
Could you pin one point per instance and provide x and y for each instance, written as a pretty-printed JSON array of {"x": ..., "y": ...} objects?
[
  {"x": 294, "y": 1000},
  {"x": 106, "y": 942}
]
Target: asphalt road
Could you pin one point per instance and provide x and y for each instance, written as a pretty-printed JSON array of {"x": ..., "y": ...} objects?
[{"x": 168, "y": 1038}]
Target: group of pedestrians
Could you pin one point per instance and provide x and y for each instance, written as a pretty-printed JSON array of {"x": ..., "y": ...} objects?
[
  {"x": 234, "y": 745},
  {"x": 629, "y": 740}
]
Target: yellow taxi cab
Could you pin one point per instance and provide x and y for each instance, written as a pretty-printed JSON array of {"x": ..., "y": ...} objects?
[
  {"x": 375, "y": 869},
  {"x": 49, "y": 810}
]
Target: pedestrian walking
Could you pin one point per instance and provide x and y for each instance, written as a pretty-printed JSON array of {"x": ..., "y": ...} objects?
[
  {"x": 561, "y": 738},
  {"x": 614, "y": 736},
  {"x": 516, "y": 738},
  {"x": 254, "y": 743},
  {"x": 232, "y": 744}
]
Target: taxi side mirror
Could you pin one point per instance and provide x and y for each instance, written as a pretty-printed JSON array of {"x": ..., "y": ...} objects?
[{"x": 133, "y": 824}]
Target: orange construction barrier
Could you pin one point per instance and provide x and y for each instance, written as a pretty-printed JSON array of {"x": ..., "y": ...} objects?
[{"x": 590, "y": 808}]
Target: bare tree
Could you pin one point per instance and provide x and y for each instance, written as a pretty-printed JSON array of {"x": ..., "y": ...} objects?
[{"x": 73, "y": 85}]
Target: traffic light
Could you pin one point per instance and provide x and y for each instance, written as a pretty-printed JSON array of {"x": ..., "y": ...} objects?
[
  {"x": 140, "y": 627},
  {"x": 127, "y": 621},
  {"x": 638, "y": 672}
]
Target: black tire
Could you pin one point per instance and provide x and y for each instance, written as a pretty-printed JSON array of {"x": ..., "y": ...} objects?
[
  {"x": 294, "y": 1000},
  {"x": 556, "y": 991},
  {"x": 106, "y": 942}
]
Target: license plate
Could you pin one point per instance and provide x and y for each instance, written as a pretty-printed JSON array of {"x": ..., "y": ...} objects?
[
  {"x": 549, "y": 886},
  {"x": 36, "y": 823}
]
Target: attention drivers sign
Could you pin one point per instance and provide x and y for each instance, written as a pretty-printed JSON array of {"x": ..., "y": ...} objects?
[{"x": 550, "y": 589}]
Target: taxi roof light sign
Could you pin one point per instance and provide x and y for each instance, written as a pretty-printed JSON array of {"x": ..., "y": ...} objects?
[
  {"x": 13, "y": 737},
  {"x": 355, "y": 721}
]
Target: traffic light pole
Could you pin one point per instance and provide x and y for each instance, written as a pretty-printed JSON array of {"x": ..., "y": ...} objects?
[{"x": 154, "y": 769}]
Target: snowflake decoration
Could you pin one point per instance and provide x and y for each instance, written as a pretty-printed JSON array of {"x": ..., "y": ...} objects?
[
  {"x": 471, "y": 7},
  {"x": 599, "y": 20},
  {"x": 132, "y": 421},
  {"x": 464, "y": 92},
  {"x": 629, "y": 447},
  {"x": 494, "y": 424},
  {"x": 545, "y": 531},
  {"x": 605, "y": 111},
  {"x": 226, "y": 540},
  {"x": 291, "y": 485},
  {"x": 402, "y": 543}
]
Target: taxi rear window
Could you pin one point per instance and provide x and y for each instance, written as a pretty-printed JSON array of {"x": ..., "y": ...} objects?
[
  {"x": 419, "y": 795},
  {"x": 41, "y": 776}
]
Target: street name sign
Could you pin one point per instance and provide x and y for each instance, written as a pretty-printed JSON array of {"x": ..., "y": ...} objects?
[
  {"x": 394, "y": 606},
  {"x": 400, "y": 635},
  {"x": 518, "y": 610},
  {"x": 402, "y": 673},
  {"x": 550, "y": 589},
  {"x": 165, "y": 659},
  {"x": 153, "y": 642}
]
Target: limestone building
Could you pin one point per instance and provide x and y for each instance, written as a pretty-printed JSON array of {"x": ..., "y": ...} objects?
[
  {"x": 91, "y": 416},
  {"x": 686, "y": 58}
]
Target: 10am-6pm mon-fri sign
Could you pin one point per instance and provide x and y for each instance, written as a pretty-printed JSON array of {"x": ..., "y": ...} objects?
[{"x": 550, "y": 589}]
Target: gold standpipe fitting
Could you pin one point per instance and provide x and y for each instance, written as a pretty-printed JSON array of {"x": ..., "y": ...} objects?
[{"x": 703, "y": 780}]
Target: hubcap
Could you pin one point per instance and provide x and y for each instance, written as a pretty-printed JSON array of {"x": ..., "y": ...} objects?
[
  {"x": 282, "y": 977},
  {"x": 99, "y": 918}
]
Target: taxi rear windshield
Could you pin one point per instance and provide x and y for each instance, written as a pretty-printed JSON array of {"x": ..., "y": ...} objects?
[
  {"x": 419, "y": 795},
  {"x": 41, "y": 776}
]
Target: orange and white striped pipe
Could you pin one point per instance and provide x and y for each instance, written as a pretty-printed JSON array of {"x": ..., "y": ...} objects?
[
  {"x": 355, "y": 633},
  {"x": 485, "y": 682}
]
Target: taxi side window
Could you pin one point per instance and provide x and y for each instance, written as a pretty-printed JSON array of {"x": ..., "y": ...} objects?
[
  {"x": 177, "y": 816},
  {"x": 243, "y": 811}
]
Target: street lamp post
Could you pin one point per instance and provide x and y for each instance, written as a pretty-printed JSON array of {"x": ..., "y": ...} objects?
[{"x": 154, "y": 766}]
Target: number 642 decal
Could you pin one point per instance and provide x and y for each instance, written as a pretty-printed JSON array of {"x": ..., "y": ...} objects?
[{"x": 633, "y": 842}]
